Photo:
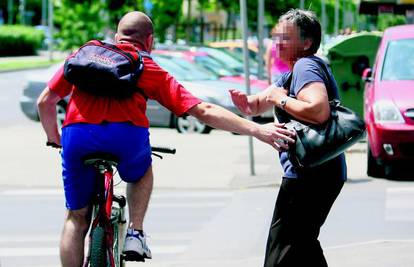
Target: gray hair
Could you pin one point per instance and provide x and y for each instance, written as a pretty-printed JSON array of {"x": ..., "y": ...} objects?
[{"x": 309, "y": 26}]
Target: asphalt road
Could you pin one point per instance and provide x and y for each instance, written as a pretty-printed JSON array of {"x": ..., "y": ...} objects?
[{"x": 206, "y": 209}]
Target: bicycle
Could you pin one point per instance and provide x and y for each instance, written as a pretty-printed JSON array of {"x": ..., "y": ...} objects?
[
  {"x": 108, "y": 215},
  {"x": 108, "y": 220}
]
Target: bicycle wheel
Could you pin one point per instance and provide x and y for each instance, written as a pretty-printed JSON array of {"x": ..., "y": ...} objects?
[{"x": 98, "y": 250}]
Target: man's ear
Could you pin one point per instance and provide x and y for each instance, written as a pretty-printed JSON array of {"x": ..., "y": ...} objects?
[
  {"x": 116, "y": 37},
  {"x": 149, "y": 42}
]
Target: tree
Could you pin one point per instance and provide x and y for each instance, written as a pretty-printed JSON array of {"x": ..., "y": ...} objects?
[
  {"x": 79, "y": 22},
  {"x": 165, "y": 14}
]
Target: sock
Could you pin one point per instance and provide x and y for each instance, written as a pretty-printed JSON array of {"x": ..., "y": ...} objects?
[{"x": 132, "y": 231}]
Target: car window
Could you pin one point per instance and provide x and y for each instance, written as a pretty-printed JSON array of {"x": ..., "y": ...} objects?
[
  {"x": 226, "y": 57},
  {"x": 214, "y": 65},
  {"x": 181, "y": 69},
  {"x": 399, "y": 61}
]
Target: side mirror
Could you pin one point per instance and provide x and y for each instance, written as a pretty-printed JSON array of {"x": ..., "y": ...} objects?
[{"x": 367, "y": 75}]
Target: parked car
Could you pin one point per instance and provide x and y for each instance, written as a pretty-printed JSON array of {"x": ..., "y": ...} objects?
[
  {"x": 389, "y": 101},
  {"x": 237, "y": 47},
  {"x": 216, "y": 63},
  {"x": 198, "y": 81}
]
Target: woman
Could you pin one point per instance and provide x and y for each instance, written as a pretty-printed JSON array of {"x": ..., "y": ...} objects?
[{"x": 305, "y": 196}]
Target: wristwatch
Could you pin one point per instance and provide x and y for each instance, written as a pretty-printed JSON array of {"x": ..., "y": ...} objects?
[{"x": 283, "y": 102}]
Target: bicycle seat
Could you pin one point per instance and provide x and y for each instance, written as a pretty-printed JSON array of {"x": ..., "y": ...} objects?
[{"x": 100, "y": 158}]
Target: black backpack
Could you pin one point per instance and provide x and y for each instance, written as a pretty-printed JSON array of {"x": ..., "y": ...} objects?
[{"x": 103, "y": 69}]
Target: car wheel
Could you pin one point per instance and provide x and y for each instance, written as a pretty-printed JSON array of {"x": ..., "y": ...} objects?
[
  {"x": 60, "y": 114},
  {"x": 190, "y": 124},
  {"x": 374, "y": 169}
]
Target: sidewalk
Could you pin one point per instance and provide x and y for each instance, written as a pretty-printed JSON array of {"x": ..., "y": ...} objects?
[
  {"x": 42, "y": 55},
  {"x": 20, "y": 63}
]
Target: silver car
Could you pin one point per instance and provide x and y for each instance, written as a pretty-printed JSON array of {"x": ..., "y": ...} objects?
[{"x": 201, "y": 83}]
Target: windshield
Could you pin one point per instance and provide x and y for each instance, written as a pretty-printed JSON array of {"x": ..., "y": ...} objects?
[
  {"x": 182, "y": 70},
  {"x": 225, "y": 56},
  {"x": 214, "y": 65},
  {"x": 399, "y": 61}
]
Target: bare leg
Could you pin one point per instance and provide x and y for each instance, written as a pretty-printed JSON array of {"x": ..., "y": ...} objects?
[
  {"x": 72, "y": 243},
  {"x": 138, "y": 196}
]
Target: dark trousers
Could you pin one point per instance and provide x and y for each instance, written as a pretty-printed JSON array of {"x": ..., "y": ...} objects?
[{"x": 301, "y": 208}]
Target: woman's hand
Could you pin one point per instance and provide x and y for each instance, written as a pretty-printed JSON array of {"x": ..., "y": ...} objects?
[
  {"x": 275, "y": 95},
  {"x": 241, "y": 102}
]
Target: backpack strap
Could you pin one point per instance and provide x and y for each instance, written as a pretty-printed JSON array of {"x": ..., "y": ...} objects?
[{"x": 139, "y": 60}]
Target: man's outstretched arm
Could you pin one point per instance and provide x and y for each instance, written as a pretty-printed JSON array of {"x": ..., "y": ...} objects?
[
  {"x": 46, "y": 104},
  {"x": 220, "y": 118}
]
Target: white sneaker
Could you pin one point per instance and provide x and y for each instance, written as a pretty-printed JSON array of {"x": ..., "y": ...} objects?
[{"x": 135, "y": 248}]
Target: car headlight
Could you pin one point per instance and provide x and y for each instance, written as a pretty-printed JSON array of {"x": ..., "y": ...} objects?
[{"x": 387, "y": 112}]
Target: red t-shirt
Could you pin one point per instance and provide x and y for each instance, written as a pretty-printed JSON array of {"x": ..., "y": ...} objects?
[{"x": 156, "y": 83}]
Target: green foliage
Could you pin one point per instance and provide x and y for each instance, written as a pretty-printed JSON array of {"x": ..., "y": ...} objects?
[
  {"x": 165, "y": 14},
  {"x": 79, "y": 22},
  {"x": 16, "y": 40},
  {"x": 389, "y": 20}
]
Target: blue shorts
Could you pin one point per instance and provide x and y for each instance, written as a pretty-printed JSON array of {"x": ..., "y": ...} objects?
[{"x": 129, "y": 143}]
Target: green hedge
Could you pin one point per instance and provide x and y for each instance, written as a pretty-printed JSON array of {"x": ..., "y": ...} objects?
[{"x": 16, "y": 40}]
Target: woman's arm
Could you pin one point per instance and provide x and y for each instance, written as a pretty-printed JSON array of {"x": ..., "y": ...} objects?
[
  {"x": 254, "y": 104},
  {"x": 311, "y": 104}
]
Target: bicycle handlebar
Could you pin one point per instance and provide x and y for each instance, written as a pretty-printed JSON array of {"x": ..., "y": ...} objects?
[
  {"x": 52, "y": 144},
  {"x": 165, "y": 150},
  {"x": 158, "y": 149}
]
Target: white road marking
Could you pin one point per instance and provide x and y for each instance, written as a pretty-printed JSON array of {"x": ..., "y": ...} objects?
[
  {"x": 155, "y": 195},
  {"x": 51, "y": 238},
  {"x": 54, "y": 251},
  {"x": 210, "y": 204},
  {"x": 33, "y": 192},
  {"x": 28, "y": 252},
  {"x": 399, "y": 205},
  {"x": 378, "y": 241}
]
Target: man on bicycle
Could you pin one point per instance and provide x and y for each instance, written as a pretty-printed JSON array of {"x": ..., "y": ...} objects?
[{"x": 120, "y": 127}]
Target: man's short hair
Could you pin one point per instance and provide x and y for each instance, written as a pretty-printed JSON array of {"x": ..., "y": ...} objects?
[{"x": 308, "y": 24}]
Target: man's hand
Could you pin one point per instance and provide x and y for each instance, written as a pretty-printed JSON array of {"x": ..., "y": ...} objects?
[
  {"x": 240, "y": 101},
  {"x": 276, "y": 135},
  {"x": 275, "y": 95},
  {"x": 54, "y": 141}
]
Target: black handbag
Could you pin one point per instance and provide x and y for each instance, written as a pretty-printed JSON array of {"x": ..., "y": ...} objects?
[{"x": 317, "y": 144}]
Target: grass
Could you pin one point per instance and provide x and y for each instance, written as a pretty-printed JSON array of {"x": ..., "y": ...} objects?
[{"x": 21, "y": 63}]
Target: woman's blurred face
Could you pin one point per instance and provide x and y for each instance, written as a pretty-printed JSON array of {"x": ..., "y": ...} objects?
[{"x": 288, "y": 41}]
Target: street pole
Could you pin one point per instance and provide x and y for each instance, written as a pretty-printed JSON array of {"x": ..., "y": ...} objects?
[
  {"x": 50, "y": 22},
  {"x": 44, "y": 13},
  {"x": 260, "y": 28},
  {"x": 302, "y": 4},
  {"x": 243, "y": 16},
  {"x": 188, "y": 25},
  {"x": 344, "y": 14},
  {"x": 336, "y": 17},
  {"x": 22, "y": 11},
  {"x": 10, "y": 11},
  {"x": 323, "y": 11}
]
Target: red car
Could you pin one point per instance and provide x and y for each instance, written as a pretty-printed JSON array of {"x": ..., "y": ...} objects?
[{"x": 389, "y": 101}]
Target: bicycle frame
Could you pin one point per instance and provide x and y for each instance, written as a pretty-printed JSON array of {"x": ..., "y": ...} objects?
[{"x": 108, "y": 216}]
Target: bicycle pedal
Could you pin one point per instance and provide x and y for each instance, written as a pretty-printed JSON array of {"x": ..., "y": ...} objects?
[{"x": 132, "y": 256}]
